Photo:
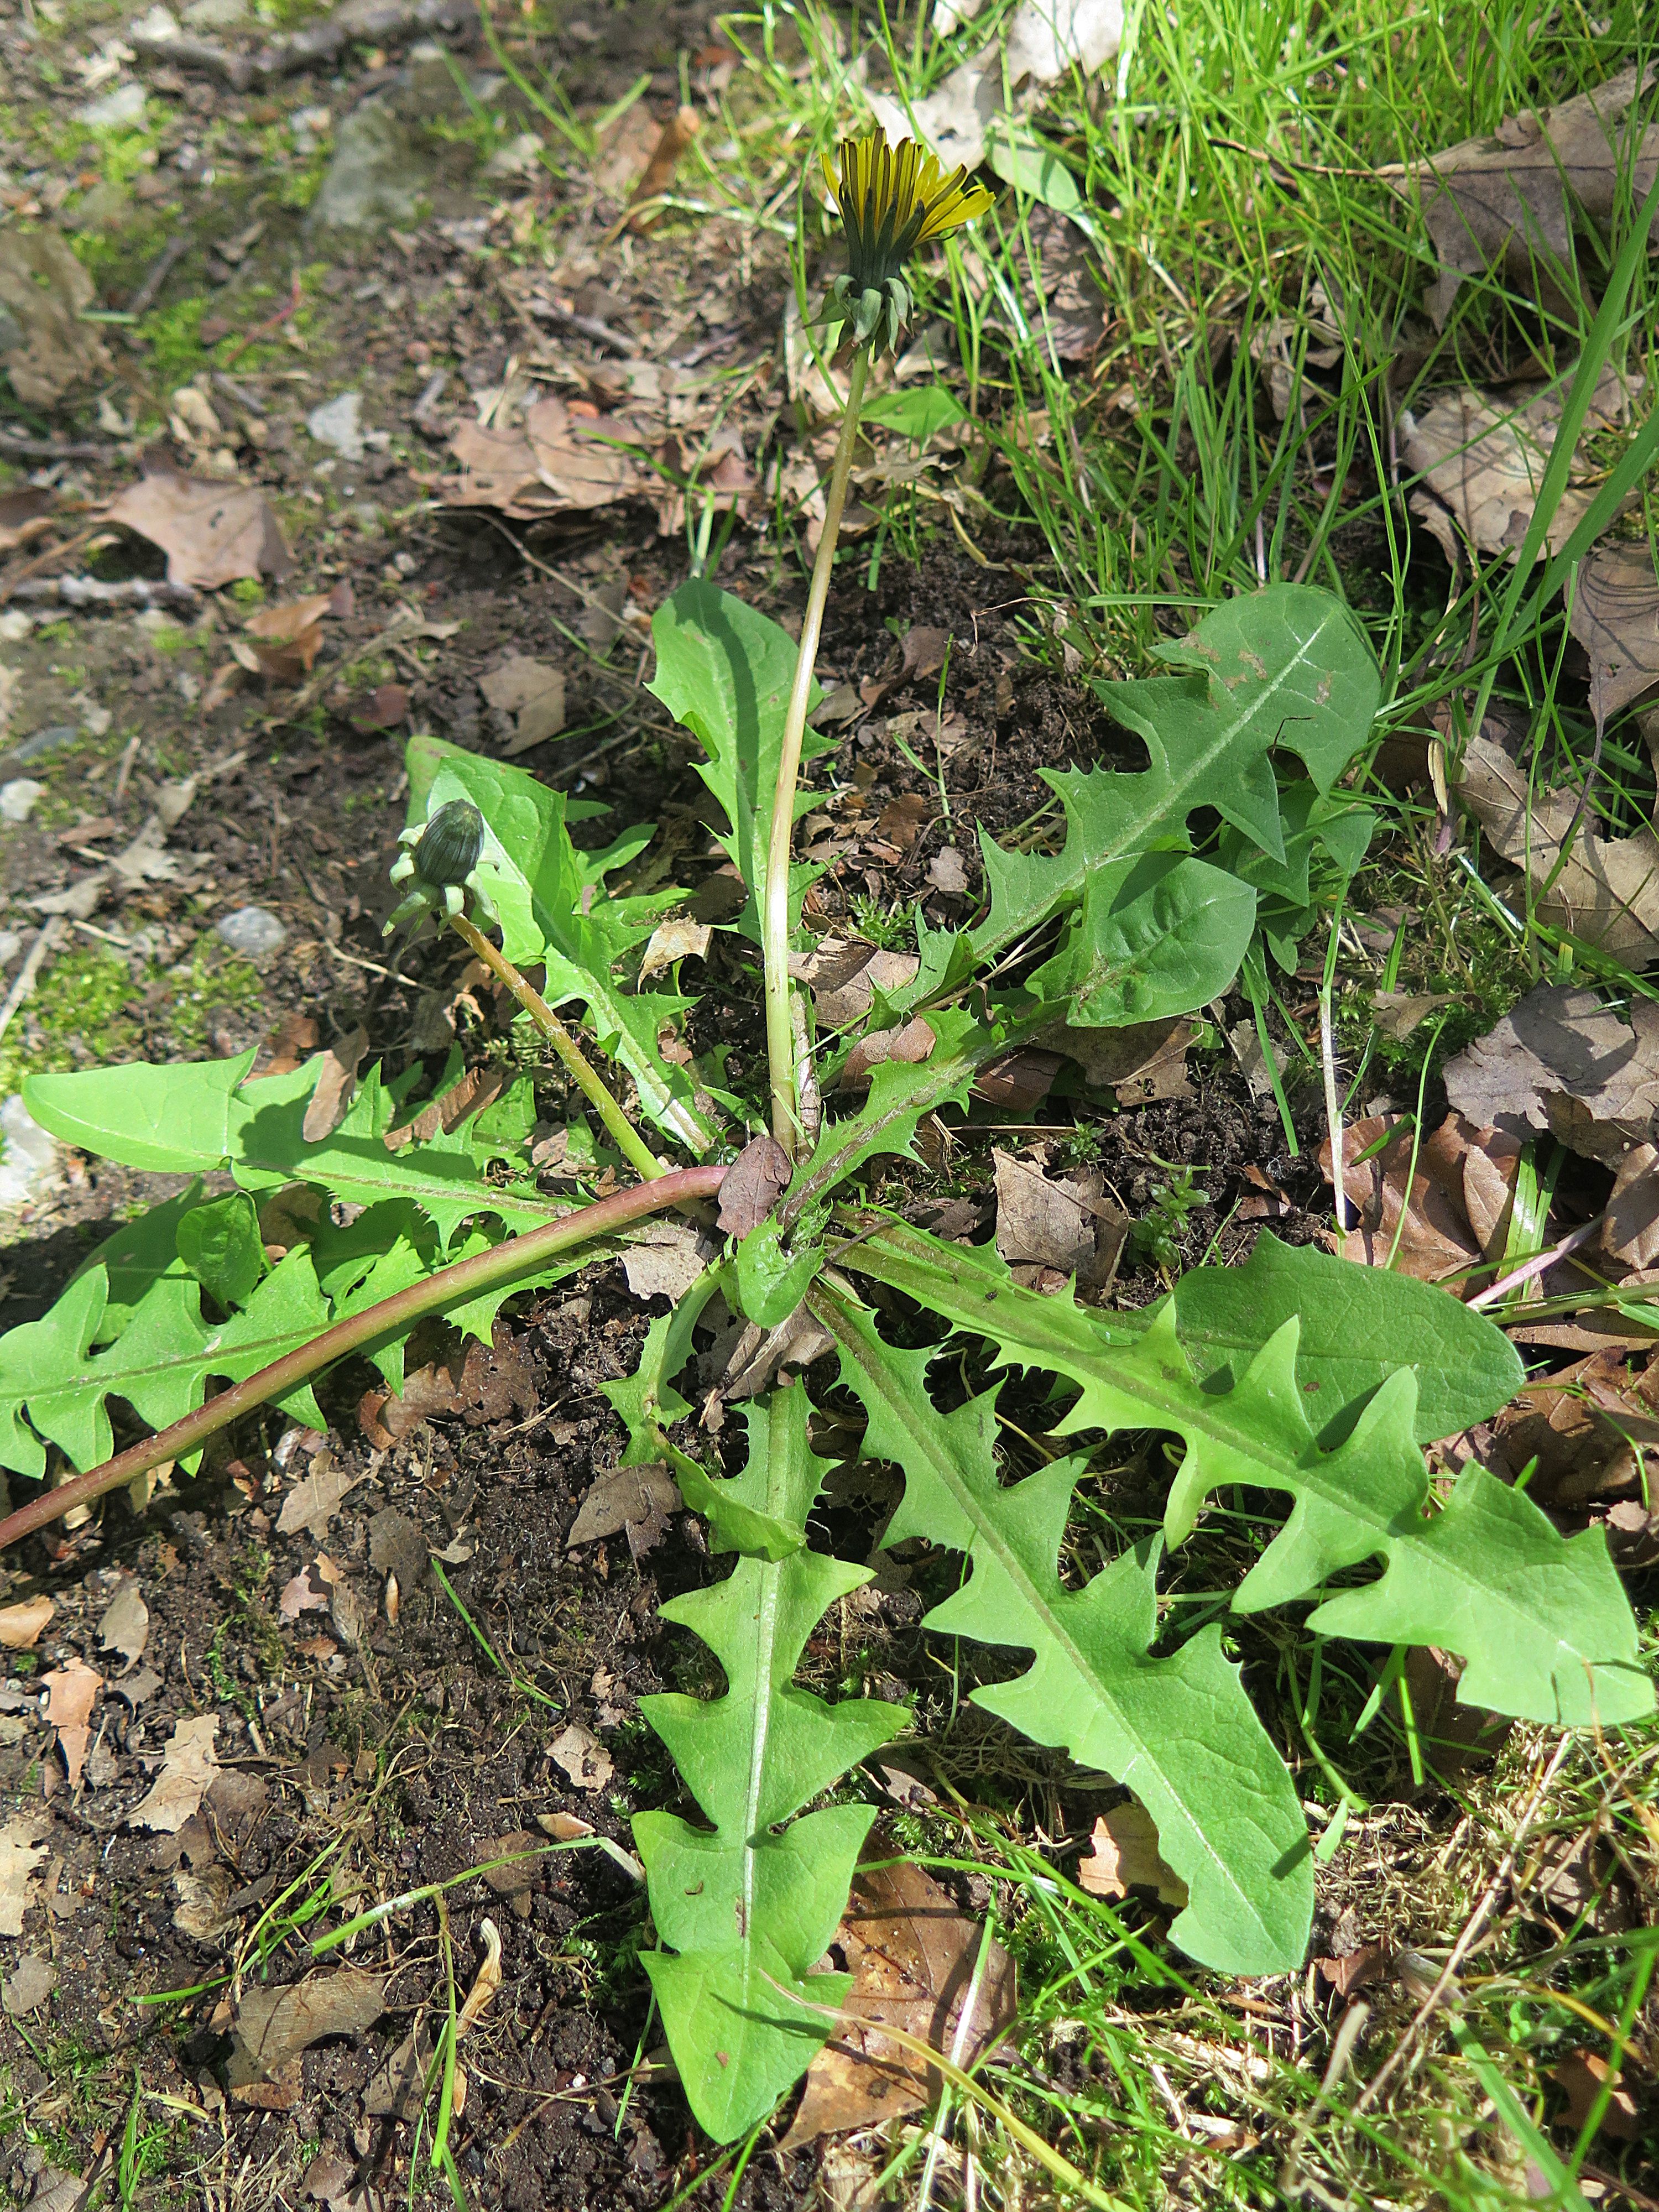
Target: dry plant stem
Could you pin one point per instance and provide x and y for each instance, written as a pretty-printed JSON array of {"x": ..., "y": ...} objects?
[
  {"x": 774, "y": 922},
  {"x": 1538, "y": 1264},
  {"x": 518, "y": 1255},
  {"x": 579, "y": 1069},
  {"x": 1332, "y": 1104}
]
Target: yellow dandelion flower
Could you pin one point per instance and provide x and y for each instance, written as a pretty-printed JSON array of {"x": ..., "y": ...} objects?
[{"x": 891, "y": 200}]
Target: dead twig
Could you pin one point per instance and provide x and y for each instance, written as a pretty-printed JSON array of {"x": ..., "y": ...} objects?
[{"x": 29, "y": 975}]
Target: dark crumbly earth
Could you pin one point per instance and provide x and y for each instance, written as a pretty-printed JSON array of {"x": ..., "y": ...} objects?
[{"x": 368, "y": 1746}]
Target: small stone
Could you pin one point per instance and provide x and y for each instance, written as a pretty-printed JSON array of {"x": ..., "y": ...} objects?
[
  {"x": 19, "y": 798},
  {"x": 251, "y": 931},
  {"x": 28, "y": 1165},
  {"x": 338, "y": 423},
  {"x": 117, "y": 110},
  {"x": 45, "y": 741}
]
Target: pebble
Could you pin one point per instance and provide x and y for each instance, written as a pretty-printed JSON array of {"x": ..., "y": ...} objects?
[
  {"x": 19, "y": 798},
  {"x": 29, "y": 1165},
  {"x": 338, "y": 423},
  {"x": 252, "y": 931}
]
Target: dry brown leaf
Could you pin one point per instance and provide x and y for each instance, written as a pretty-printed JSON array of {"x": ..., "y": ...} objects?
[
  {"x": 21, "y": 1849},
  {"x": 1582, "y": 2074},
  {"x": 638, "y": 1500},
  {"x": 188, "y": 1767},
  {"x": 272, "y": 2026},
  {"x": 515, "y": 1881},
  {"x": 1357, "y": 1969},
  {"x": 947, "y": 872},
  {"x": 25, "y": 514},
  {"x": 581, "y": 1755},
  {"x": 71, "y": 1691},
  {"x": 1452, "y": 1736},
  {"x": 211, "y": 533},
  {"x": 21, "y": 1625},
  {"x": 1590, "y": 1428},
  {"x": 663, "y": 1259},
  {"x": 312, "y": 1590},
  {"x": 478, "y": 1088},
  {"x": 923, "y": 652},
  {"x": 315, "y": 1499},
  {"x": 287, "y": 640},
  {"x": 912, "y": 1957},
  {"x": 124, "y": 1623},
  {"x": 1606, "y": 892},
  {"x": 1123, "y": 1855},
  {"x": 1629, "y": 1233},
  {"x": 487, "y": 1981},
  {"x": 845, "y": 973},
  {"x": 1456, "y": 1217},
  {"x": 903, "y": 820},
  {"x": 335, "y": 1082},
  {"x": 677, "y": 134},
  {"x": 532, "y": 695},
  {"x": 1144, "y": 1062},
  {"x": 1397, "y": 1013},
  {"x": 911, "y": 1045},
  {"x": 1560, "y": 1060},
  {"x": 1067, "y": 1223},
  {"x": 1615, "y": 617},
  {"x": 680, "y": 939},
  {"x": 1482, "y": 456},
  {"x": 29, "y": 1986},
  {"x": 560, "y": 461},
  {"x": 754, "y": 1182},
  {"x": 1511, "y": 199},
  {"x": 43, "y": 292}
]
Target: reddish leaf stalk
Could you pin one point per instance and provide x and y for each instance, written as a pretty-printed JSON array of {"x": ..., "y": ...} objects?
[{"x": 518, "y": 1255}]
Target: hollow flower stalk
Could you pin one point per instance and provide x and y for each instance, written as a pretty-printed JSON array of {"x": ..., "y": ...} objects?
[{"x": 892, "y": 201}]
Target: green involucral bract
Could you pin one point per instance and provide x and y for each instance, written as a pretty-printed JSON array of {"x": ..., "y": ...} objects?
[
  {"x": 747, "y": 1907},
  {"x": 554, "y": 909}
]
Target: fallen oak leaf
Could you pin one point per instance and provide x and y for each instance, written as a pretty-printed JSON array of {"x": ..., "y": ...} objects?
[
  {"x": 1561, "y": 1060},
  {"x": 315, "y": 1499},
  {"x": 22, "y": 1846}
]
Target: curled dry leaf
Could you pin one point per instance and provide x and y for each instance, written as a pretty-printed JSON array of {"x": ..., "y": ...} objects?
[
  {"x": 845, "y": 974},
  {"x": 1582, "y": 2074},
  {"x": 1615, "y": 617},
  {"x": 1591, "y": 1427},
  {"x": 676, "y": 136},
  {"x": 312, "y": 1590},
  {"x": 211, "y": 533},
  {"x": 124, "y": 1624},
  {"x": 1064, "y": 1224},
  {"x": 912, "y": 1957},
  {"x": 1140, "y": 1064},
  {"x": 1455, "y": 1217},
  {"x": 663, "y": 1259},
  {"x": 638, "y": 1500},
  {"x": 1606, "y": 889},
  {"x": 681, "y": 939},
  {"x": 1511, "y": 200},
  {"x": 1452, "y": 1737},
  {"x": 1123, "y": 1855},
  {"x": 1561, "y": 1060},
  {"x": 187, "y": 1769},
  {"x": 43, "y": 292},
  {"x": 754, "y": 1182},
  {"x": 488, "y": 1980},
  {"x": 71, "y": 1691},
  {"x": 1482, "y": 456},
  {"x": 1355, "y": 1970},
  {"x": 336, "y": 1084},
  {"x": 21, "y": 1625},
  {"x": 478, "y": 1088},
  {"x": 315, "y": 1499},
  {"x": 557, "y": 463},
  {"x": 532, "y": 695},
  {"x": 911, "y": 1044},
  {"x": 22, "y": 1846},
  {"x": 579, "y": 1751},
  {"x": 272, "y": 2026},
  {"x": 286, "y": 640}
]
